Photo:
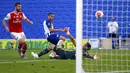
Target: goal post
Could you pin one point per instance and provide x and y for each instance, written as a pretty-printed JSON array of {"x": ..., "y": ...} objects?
[{"x": 79, "y": 6}]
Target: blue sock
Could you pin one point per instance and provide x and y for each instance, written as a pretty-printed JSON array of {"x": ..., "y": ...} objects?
[{"x": 45, "y": 51}]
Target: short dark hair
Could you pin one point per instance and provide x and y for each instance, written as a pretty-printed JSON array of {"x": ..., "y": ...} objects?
[
  {"x": 50, "y": 14},
  {"x": 17, "y": 3}
]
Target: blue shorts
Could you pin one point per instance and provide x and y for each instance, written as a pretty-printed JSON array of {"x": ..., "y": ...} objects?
[{"x": 53, "y": 38}]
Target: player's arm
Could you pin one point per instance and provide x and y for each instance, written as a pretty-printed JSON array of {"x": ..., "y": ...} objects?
[
  {"x": 107, "y": 29},
  {"x": 4, "y": 22},
  {"x": 71, "y": 37},
  {"x": 55, "y": 30},
  {"x": 5, "y": 25},
  {"x": 116, "y": 26},
  {"x": 86, "y": 54},
  {"x": 51, "y": 29},
  {"x": 26, "y": 19}
]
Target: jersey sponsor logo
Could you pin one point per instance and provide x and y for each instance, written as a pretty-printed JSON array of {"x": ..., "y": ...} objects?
[
  {"x": 17, "y": 16},
  {"x": 17, "y": 21}
]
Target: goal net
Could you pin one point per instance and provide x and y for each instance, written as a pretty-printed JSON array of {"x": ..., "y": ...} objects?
[{"x": 114, "y": 53}]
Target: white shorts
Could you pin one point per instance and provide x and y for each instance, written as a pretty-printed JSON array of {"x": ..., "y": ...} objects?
[{"x": 18, "y": 36}]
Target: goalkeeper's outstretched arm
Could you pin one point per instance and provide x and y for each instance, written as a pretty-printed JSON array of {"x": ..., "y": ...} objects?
[
  {"x": 86, "y": 47},
  {"x": 70, "y": 37}
]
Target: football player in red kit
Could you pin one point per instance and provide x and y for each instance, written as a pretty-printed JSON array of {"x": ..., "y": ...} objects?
[{"x": 15, "y": 27}]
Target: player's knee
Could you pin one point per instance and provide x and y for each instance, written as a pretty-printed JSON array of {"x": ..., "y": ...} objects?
[
  {"x": 62, "y": 38},
  {"x": 51, "y": 47},
  {"x": 22, "y": 40}
]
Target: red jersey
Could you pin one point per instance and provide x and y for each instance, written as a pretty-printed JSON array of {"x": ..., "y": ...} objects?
[{"x": 15, "y": 20}]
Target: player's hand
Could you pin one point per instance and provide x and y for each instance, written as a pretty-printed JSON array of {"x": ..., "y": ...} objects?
[
  {"x": 96, "y": 57},
  {"x": 65, "y": 29},
  {"x": 31, "y": 22},
  {"x": 7, "y": 29}
]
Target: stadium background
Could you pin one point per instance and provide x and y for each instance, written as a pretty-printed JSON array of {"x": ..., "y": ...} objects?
[
  {"x": 37, "y": 10},
  {"x": 64, "y": 10}
]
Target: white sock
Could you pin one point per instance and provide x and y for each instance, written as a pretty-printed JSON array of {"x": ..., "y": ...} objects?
[
  {"x": 68, "y": 33},
  {"x": 60, "y": 42}
]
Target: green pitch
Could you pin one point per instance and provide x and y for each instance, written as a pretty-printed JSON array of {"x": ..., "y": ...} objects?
[
  {"x": 10, "y": 62},
  {"x": 111, "y": 60}
]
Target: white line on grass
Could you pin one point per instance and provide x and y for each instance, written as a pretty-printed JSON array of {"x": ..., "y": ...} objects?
[
  {"x": 122, "y": 71},
  {"x": 23, "y": 61}
]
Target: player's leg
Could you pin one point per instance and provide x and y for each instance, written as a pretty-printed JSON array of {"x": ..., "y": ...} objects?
[
  {"x": 12, "y": 43},
  {"x": 21, "y": 38},
  {"x": 110, "y": 35},
  {"x": 61, "y": 40},
  {"x": 56, "y": 39},
  {"x": 115, "y": 40},
  {"x": 45, "y": 51},
  {"x": 16, "y": 36},
  {"x": 53, "y": 55},
  {"x": 22, "y": 44},
  {"x": 70, "y": 37}
]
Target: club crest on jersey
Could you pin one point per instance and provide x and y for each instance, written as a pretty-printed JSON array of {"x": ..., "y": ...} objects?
[
  {"x": 20, "y": 16},
  {"x": 49, "y": 23}
]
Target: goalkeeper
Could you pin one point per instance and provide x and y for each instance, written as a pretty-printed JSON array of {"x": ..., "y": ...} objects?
[{"x": 62, "y": 54}]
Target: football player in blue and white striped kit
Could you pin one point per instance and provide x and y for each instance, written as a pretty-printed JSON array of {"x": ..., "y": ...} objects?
[
  {"x": 51, "y": 37},
  {"x": 49, "y": 31}
]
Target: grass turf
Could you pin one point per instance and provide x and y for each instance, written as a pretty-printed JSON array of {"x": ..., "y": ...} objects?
[
  {"x": 111, "y": 60},
  {"x": 10, "y": 62}
]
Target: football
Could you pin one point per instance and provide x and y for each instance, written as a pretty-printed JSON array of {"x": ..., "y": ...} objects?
[{"x": 99, "y": 14}]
